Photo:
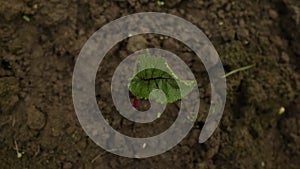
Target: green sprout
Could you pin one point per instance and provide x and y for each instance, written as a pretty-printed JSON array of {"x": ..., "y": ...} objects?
[
  {"x": 19, "y": 153},
  {"x": 26, "y": 18},
  {"x": 158, "y": 115},
  {"x": 163, "y": 37},
  {"x": 239, "y": 70},
  {"x": 160, "y": 3},
  {"x": 107, "y": 120}
]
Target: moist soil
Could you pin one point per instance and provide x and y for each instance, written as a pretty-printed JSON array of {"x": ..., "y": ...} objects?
[{"x": 40, "y": 42}]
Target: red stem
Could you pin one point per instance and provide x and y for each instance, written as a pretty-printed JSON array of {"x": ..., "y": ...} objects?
[{"x": 135, "y": 102}]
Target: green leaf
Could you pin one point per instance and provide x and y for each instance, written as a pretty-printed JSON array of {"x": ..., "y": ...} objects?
[
  {"x": 239, "y": 70},
  {"x": 157, "y": 75}
]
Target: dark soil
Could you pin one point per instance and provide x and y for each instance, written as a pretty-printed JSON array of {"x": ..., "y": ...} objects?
[{"x": 37, "y": 58}]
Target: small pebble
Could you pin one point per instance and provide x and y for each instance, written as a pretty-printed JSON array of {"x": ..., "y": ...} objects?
[
  {"x": 281, "y": 110},
  {"x": 35, "y": 6},
  {"x": 263, "y": 164},
  {"x": 144, "y": 145}
]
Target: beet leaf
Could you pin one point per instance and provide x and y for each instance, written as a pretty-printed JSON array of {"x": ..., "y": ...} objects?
[{"x": 157, "y": 74}]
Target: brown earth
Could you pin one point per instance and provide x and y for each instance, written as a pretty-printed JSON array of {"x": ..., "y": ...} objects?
[{"x": 39, "y": 44}]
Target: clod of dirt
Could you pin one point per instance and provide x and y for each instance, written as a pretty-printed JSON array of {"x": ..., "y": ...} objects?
[
  {"x": 228, "y": 35},
  {"x": 252, "y": 92},
  {"x": 213, "y": 146},
  {"x": 35, "y": 119},
  {"x": 294, "y": 10},
  {"x": 112, "y": 12},
  {"x": 132, "y": 2},
  {"x": 55, "y": 12},
  {"x": 206, "y": 165},
  {"x": 242, "y": 34},
  {"x": 273, "y": 14},
  {"x": 67, "y": 165},
  {"x": 172, "y": 3},
  {"x": 171, "y": 44},
  {"x": 292, "y": 19},
  {"x": 8, "y": 94},
  {"x": 234, "y": 54},
  {"x": 296, "y": 17},
  {"x": 285, "y": 58},
  {"x": 136, "y": 43},
  {"x": 289, "y": 127},
  {"x": 11, "y": 9}
]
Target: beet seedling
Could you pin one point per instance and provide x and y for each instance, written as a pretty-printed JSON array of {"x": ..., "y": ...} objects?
[
  {"x": 157, "y": 74},
  {"x": 19, "y": 153}
]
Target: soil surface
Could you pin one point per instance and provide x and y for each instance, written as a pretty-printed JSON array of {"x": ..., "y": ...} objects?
[{"x": 39, "y": 44}]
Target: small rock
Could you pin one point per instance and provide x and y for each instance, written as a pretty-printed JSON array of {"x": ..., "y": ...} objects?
[
  {"x": 281, "y": 110},
  {"x": 35, "y": 119}
]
